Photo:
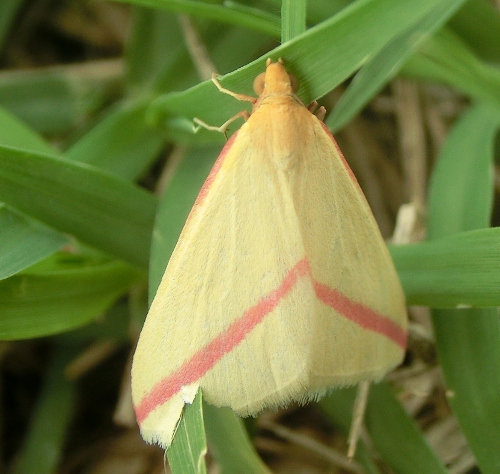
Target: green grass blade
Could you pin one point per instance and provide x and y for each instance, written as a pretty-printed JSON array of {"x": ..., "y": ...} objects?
[
  {"x": 445, "y": 58},
  {"x": 123, "y": 143},
  {"x": 386, "y": 64},
  {"x": 41, "y": 303},
  {"x": 43, "y": 447},
  {"x": 461, "y": 187},
  {"x": 321, "y": 58},
  {"x": 393, "y": 432},
  {"x": 24, "y": 242},
  {"x": 468, "y": 340},
  {"x": 462, "y": 268},
  {"x": 230, "y": 443},
  {"x": 97, "y": 208},
  {"x": 230, "y": 13},
  {"x": 187, "y": 453},
  {"x": 56, "y": 100},
  {"x": 8, "y": 11},
  {"x": 396, "y": 436},
  {"x": 293, "y": 19},
  {"x": 155, "y": 36},
  {"x": 478, "y": 24}
]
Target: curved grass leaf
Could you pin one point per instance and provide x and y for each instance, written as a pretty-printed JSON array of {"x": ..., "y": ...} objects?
[
  {"x": 23, "y": 242},
  {"x": 43, "y": 447},
  {"x": 446, "y": 59},
  {"x": 321, "y": 58},
  {"x": 468, "y": 340},
  {"x": 97, "y": 208},
  {"x": 460, "y": 269},
  {"x": 230, "y": 12},
  {"x": 50, "y": 301},
  {"x": 385, "y": 65}
]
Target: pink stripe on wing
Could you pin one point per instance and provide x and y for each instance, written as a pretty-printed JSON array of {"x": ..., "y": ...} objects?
[
  {"x": 203, "y": 360},
  {"x": 360, "y": 314},
  {"x": 206, "y": 358}
]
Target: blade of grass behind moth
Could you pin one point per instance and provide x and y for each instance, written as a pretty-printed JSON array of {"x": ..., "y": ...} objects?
[
  {"x": 468, "y": 340},
  {"x": 122, "y": 143},
  {"x": 53, "y": 300},
  {"x": 478, "y": 24},
  {"x": 238, "y": 15},
  {"x": 187, "y": 453},
  {"x": 340, "y": 45},
  {"x": 462, "y": 268},
  {"x": 293, "y": 19},
  {"x": 23, "y": 241},
  {"x": 445, "y": 58},
  {"x": 97, "y": 208},
  {"x": 396, "y": 436},
  {"x": 338, "y": 406},
  {"x": 43, "y": 446},
  {"x": 8, "y": 11},
  {"x": 230, "y": 443},
  {"x": 380, "y": 69},
  {"x": 151, "y": 44}
]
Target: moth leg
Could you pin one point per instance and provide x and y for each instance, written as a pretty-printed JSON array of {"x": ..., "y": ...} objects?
[
  {"x": 223, "y": 128},
  {"x": 246, "y": 98},
  {"x": 320, "y": 113}
]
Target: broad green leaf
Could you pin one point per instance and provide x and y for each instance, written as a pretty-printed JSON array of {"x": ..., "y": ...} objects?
[
  {"x": 14, "y": 132},
  {"x": 97, "y": 208},
  {"x": 48, "y": 301},
  {"x": 23, "y": 241},
  {"x": 468, "y": 340}
]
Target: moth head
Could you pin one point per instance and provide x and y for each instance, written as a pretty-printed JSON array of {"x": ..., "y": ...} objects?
[{"x": 276, "y": 80}]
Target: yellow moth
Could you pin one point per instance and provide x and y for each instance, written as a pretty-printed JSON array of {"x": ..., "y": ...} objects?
[{"x": 280, "y": 285}]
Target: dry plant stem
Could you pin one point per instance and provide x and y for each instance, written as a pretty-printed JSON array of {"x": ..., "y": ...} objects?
[
  {"x": 306, "y": 442},
  {"x": 357, "y": 417},
  {"x": 175, "y": 158},
  {"x": 124, "y": 412},
  {"x": 363, "y": 149},
  {"x": 413, "y": 146},
  {"x": 435, "y": 124},
  {"x": 90, "y": 358},
  {"x": 196, "y": 48}
]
